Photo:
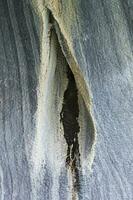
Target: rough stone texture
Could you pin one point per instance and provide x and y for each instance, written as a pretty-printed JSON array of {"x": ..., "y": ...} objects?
[
  {"x": 99, "y": 36},
  {"x": 19, "y": 60}
]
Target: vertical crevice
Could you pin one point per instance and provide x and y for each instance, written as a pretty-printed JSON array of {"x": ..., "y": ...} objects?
[
  {"x": 69, "y": 118},
  {"x": 65, "y": 129},
  {"x": 70, "y": 111}
]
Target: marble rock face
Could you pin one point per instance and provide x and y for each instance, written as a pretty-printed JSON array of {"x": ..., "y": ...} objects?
[{"x": 66, "y": 100}]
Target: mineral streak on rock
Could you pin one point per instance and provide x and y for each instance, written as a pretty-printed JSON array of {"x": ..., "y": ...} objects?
[{"x": 93, "y": 40}]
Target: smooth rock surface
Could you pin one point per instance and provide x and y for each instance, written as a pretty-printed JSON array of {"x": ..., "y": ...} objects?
[{"x": 94, "y": 39}]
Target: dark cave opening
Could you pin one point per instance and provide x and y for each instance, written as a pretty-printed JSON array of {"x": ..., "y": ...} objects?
[
  {"x": 69, "y": 118},
  {"x": 69, "y": 113}
]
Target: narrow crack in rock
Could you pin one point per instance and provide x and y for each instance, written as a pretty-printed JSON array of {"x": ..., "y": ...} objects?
[
  {"x": 69, "y": 118},
  {"x": 73, "y": 109}
]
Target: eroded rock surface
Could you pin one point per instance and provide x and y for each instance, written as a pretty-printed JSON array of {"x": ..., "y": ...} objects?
[{"x": 56, "y": 57}]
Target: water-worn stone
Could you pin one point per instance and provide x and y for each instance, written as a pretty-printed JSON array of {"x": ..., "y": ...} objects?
[{"x": 49, "y": 50}]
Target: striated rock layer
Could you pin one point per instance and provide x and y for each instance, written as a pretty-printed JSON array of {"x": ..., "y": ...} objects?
[{"x": 66, "y": 100}]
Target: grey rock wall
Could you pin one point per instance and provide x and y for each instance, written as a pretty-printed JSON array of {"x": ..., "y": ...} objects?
[
  {"x": 19, "y": 60},
  {"x": 94, "y": 39}
]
